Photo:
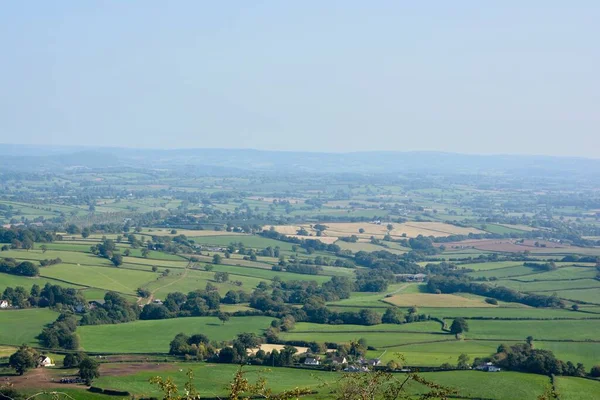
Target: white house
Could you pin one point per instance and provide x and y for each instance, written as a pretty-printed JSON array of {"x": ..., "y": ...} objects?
[
  {"x": 488, "y": 367},
  {"x": 44, "y": 361},
  {"x": 372, "y": 362},
  {"x": 312, "y": 361},
  {"x": 339, "y": 360},
  {"x": 4, "y": 304}
]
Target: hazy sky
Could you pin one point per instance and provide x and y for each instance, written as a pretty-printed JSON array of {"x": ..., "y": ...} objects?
[{"x": 463, "y": 76}]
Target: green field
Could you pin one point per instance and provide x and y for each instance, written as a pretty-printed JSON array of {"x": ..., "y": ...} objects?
[
  {"x": 186, "y": 281},
  {"x": 570, "y": 388},
  {"x": 586, "y": 353},
  {"x": 563, "y": 273},
  {"x": 154, "y": 336},
  {"x": 550, "y": 286},
  {"x": 71, "y": 257},
  {"x": 489, "y": 265},
  {"x": 587, "y": 295},
  {"x": 503, "y": 272},
  {"x": 519, "y": 330},
  {"x": 212, "y": 381},
  {"x": 22, "y": 326},
  {"x": 108, "y": 278},
  {"x": 7, "y": 280},
  {"x": 252, "y": 241},
  {"x": 268, "y": 274}
]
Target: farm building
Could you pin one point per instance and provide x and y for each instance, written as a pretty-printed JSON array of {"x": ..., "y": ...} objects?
[
  {"x": 312, "y": 361},
  {"x": 412, "y": 277},
  {"x": 338, "y": 360},
  {"x": 373, "y": 362},
  {"x": 354, "y": 368},
  {"x": 4, "y": 304},
  {"x": 488, "y": 367},
  {"x": 44, "y": 361}
]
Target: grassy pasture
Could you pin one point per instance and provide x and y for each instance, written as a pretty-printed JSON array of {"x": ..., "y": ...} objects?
[
  {"x": 586, "y": 353},
  {"x": 493, "y": 386},
  {"x": 434, "y": 300},
  {"x": 267, "y": 274},
  {"x": 71, "y": 257},
  {"x": 108, "y": 278},
  {"x": 212, "y": 380},
  {"x": 156, "y": 262},
  {"x": 381, "y": 340},
  {"x": 548, "y": 286},
  {"x": 365, "y": 246},
  {"x": 503, "y": 312},
  {"x": 190, "y": 280},
  {"x": 563, "y": 273},
  {"x": 7, "y": 280},
  {"x": 421, "y": 327},
  {"x": 571, "y": 388},
  {"x": 22, "y": 326},
  {"x": 587, "y": 295},
  {"x": 252, "y": 241},
  {"x": 490, "y": 265},
  {"x": 519, "y": 330},
  {"x": 503, "y": 272},
  {"x": 98, "y": 294},
  {"x": 436, "y": 353},
  {"x": 154, "y": 336}
]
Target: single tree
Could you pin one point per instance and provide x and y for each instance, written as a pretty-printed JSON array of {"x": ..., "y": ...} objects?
[
  {"x": 88, "y": 370},
  {"x": 223, "y": 317},
  {"x": 23, "y": 359},
  {"x": 217, "y": 259},
  {"x": 459, "y": 326},
  {"x": 117, "y": 259},
  {"x": 463, "y": 361},
  {"x": 529, "y": 341},
  {"x": 44, "y": 248}
]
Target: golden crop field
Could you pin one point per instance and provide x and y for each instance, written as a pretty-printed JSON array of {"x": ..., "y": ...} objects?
[
  {"x": 187, "y": 232},
  {"x": 411, "y": 229},
  {"x": 434, "y": 300}
]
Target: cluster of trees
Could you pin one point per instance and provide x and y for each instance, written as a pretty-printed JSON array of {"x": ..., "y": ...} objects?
[
  {"x": 20, "y": 234},
  {"x": 374, "y": 280},
  {"x": 48, "y": 296},
  {"x": 23, "y": 359},
  {"x": 50, "y": 261},
  {"x": 197, "y": 346},
  {"x": 452, "y": 284},
  {"x": 108, "y": 249},
  {"x": 398, "y": 264},
  {"x": 525, "y": 358},
  {"x": 310, "y": 245},
  {"x": 25, "y": 268},
  {"x": 61, "y": 333},
  {"x": 114, "y": 310},
  {"x": 196, "y": 303},
  {"x": 299, "y": 268},
  {"x": 549, "y": 266},
  {"x": 26, "y": 358}
]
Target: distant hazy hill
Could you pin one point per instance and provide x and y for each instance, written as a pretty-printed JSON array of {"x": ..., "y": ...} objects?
[{"x": 27, "y": 157}]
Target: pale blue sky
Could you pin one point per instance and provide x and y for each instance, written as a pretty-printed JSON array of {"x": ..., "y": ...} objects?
[{"x": 462, "y": 76}]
